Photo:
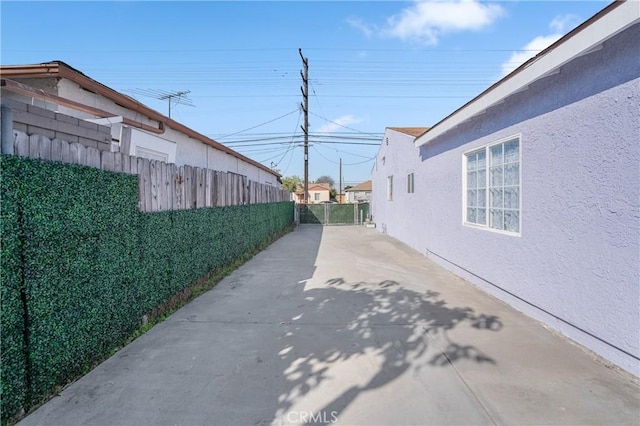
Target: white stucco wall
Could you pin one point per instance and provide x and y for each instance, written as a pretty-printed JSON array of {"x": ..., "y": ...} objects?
[
  {"x": 355, "y": 196},
  {"x": 189, "y": 151},
  {"x": 576, "y": 263},
  {"x": 399, "y": 218}
]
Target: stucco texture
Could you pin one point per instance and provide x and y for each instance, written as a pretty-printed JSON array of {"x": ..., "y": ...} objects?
[{"x": 576, "y": 263}]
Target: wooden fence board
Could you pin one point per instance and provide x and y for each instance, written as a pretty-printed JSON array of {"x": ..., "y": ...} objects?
[
  {"x": 93, "y": 157},
  {"x": 188, "y": 184},
  {"x": 65, "y": 153},
  {"x": 108, "y": 161},
  {"x": 34, "y": 146},
  {"x": 153, "y": 179},
  {"x": 21, "y": 144},
  {"x": 126, "y": 164},
  {"x": 56, "y": 150},
  {"x": 161, "y": 186},
  {"x": 145, "y": 171},
  {"x": 179, "y": 188},
  {"x": 117, "y": 162},
  {"x": 45, "y": 148},
  {"x": 200, "y": 195}
]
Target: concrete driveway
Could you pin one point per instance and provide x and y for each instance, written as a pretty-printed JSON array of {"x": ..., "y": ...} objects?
[{"x": 345, "y": 325}]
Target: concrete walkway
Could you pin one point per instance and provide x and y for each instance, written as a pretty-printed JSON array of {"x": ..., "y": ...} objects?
[{"x": 344, "y": 324}]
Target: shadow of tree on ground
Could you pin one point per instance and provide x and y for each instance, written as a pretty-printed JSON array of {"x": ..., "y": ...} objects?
[{"x": 381, "y": 320}]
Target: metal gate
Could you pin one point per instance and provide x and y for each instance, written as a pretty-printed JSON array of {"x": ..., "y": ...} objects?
[{"x": 333, "y": 214}]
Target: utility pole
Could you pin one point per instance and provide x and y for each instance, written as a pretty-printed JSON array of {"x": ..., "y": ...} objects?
[
  {"x": 340, "y": 195},
  {"x": 305, "y": 107}
]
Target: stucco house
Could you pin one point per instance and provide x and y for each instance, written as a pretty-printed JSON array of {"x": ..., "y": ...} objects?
[
  {"x": 361, "y": 193},
  {"x": 394, "y": 172},
  {"x": 531, "y": 190},
  {"x": 136, "y": 129},
  {"x": 318, "y": 193}
]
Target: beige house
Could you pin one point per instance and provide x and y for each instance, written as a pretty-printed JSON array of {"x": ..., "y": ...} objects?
[
  {"x": 318, "y": 193},
  {"x": 360, "y": 193}
]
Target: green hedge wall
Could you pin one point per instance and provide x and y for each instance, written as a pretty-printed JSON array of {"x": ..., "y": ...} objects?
[
  {"x": 13, "y": 386},
  {"x": 341, "y": 214},
  {"x": 312, "y": 213},
  {"x": 87, "y": 265}
]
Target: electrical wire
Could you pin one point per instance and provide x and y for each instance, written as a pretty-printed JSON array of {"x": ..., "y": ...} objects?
[
  {"x": 258, "y": 125},
  {"x": 344, "y": 164},
  {"x": 291, "y": 144},
  {"x": 289, "y": 163},
  {"x": 343, "y": 151},
  {"x": 338, "y": 124}
]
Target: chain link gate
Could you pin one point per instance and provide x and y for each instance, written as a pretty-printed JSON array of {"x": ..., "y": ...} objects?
[{"x": 333, "y": 214}]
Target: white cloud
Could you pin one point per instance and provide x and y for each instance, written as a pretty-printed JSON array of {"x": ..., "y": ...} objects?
[
  {"x": 426, "y": 20},
  {"x": 359, "y": 25},
  {"x": 529, "y": 51},
  {"x": 338, "y": 124},
  {"x": 560, "y": 25}
]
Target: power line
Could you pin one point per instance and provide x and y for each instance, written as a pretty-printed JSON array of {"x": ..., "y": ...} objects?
[
  {"x": 311, "y": 141},
  {"x": 413, "y": 51},
  {"x": 344, "y": 164},
  {"x": 341, "y": 125},
  {"x": 289, "y": 162},
  {"x": 261, "y": 124},
  {"x": 313, "y": 135},
  {"x": 343, "y": 151},
  {"x": 292, "y": 139}
]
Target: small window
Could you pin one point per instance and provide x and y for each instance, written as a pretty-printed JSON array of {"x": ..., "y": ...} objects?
[
  {"x": 316, "y": 196},
  {"x": 389, "y": 188},
  {"x": 410, "y": 187},
  {"x": 492, "y": 186}
]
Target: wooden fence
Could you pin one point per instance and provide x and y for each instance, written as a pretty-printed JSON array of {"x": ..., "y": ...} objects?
[{"x": 161, "y": 186}]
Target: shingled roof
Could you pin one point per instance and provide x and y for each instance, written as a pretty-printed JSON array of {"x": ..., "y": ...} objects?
[
  {"x": 364, "y": 186},
  {"x": 411, "y": 131}
]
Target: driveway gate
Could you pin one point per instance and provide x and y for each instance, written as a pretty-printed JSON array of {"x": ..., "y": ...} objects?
[{"x": 333, "y": 214}]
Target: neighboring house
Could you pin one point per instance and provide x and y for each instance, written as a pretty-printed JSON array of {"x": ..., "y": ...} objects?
[
  {"x": 318, "y": 193},
  {"x": 532, "y": 189},
  {"x": 394, "y": 181},
  {"x": 359, "y": 193},
  {"x": 135, "y": 128}
]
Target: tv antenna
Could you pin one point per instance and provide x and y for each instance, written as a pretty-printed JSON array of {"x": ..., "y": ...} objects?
[{"x": 178, "y": 97}]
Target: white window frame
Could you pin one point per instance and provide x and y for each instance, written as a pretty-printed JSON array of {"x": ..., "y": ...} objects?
[
  {"x": 390, "y": 188},
  {"x": 487, "y": 148},
  {"x": 316, "y": 196}
]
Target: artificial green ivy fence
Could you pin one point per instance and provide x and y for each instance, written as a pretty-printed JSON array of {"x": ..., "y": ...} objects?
[{"x": 81, "y": 265}]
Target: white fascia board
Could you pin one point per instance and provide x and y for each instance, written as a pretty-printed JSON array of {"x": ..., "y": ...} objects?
[
  {"x": 615, "y": 21},
  {"x": 105, "y": 121}
]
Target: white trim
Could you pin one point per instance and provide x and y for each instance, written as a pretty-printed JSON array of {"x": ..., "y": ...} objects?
[
  {"x": 486, "y": 147},
  {"x": 566, "y": 49},
  {"x": 151, "y": 154}
]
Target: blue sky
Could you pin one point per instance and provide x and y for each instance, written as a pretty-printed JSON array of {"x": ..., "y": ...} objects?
[{"x": 372, "y": 64}]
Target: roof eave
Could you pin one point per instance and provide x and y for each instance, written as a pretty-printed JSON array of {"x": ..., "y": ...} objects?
[
  {"x": 60, "y": 69},
  {"x": 619, "y": 15}
]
